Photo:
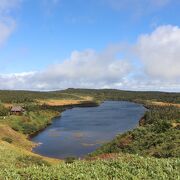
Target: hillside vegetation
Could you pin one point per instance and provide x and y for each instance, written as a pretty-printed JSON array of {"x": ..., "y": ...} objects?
[
  {"x": 17, "y": 164},
  {"x": 158, "y": 135},
  {"x": 104, "y": 94},
  {"x": 150, "y": 151}
]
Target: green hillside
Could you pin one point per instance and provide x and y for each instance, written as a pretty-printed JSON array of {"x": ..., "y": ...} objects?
[
  {"x": 150, "y": 151},
  {"x": 15, "y": 165}
]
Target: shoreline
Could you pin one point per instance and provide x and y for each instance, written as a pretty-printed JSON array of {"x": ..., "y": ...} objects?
[
  {"x": 89, "y": 104},
  {"x": 65, "y": 107}
]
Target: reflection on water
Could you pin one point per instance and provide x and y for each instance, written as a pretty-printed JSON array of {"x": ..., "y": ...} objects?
[
  {"x": 80, "y": 131},
  {"x": 78, "y": 135},
  {"x": 53, "y": 133},
  {"x": 87, "y": 144}
]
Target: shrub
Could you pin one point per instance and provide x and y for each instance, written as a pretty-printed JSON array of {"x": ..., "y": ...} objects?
[
  {"x": 29, "y": 128},
  {"x": 7, "y": 139},
  {"x": 161, "y": 126},
  {"x": 3, "y": 111},
  {"x": 70, "y": 160},
  {"x": 26, "y": 161}
]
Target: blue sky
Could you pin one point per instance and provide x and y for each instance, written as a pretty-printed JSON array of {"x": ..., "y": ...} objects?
[{"x": 65, "y": 40}]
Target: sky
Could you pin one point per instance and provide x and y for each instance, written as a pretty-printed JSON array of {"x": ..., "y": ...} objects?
[{"x": 119, "y": 44}]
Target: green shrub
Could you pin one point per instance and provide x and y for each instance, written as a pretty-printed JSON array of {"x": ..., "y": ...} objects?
[
  {"x": 161, "y": 126},
  {"x": 156, "y": 137},
  {"x": 70, "y": 160},
  {"x": 3, "y": 111},
  {"x": 7, "y": 139},
  {"x": 26, "y": 161},
  {"x": 29, "y": 128},
  {"x": 123, "y": 167}
]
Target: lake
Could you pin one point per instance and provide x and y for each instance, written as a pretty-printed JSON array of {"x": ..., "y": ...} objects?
[{"x": 80, "y": 131}]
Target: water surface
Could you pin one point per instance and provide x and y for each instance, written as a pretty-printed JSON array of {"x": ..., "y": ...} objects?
[{"x": 80, "y": 131}]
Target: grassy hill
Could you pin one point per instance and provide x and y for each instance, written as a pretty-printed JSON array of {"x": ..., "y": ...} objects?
[
  {"x": 150, "y": 151},
  {"x": 15, "y": 164}
]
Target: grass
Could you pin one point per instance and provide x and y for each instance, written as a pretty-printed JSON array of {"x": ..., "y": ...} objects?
[
  {"x": 10, "y": 153},
  {"x": 163, "y": 103},
  {"x": 30, "y": 122},
  {"x": 18, "y": 139},
  {"x": 122, "y": 167},
  {"x": 58, "y": 102}
]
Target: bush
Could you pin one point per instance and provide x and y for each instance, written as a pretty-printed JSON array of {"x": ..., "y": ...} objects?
[
  {"x": 26, "y": 161},
  {"x": 161, "y": 126},
  {"x": 70, "y": 160},
  {"x": 29, "y": 128},
  {"x": 7, "y": 139},
  {"x": 3, "y": 111},
  {"x": 157, "y": 137}
]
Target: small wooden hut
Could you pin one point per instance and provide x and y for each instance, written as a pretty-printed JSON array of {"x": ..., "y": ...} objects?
[{"x": 17, "y": 110}]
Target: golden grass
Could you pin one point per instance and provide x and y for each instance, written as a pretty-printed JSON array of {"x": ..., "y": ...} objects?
[
  {"x": 20, "y": 144},
  {"x": 18, "y": 139},
  {"x": 87, "y": 98},
  {"x": 62, "y": 102},
  {"x": 175, "y": 124},
  {"x": 19, "y": 151},
  {"x": 164, "y": 104},
  {"x": 58, "y": 102},
  {"x": 8, "y": 105}
]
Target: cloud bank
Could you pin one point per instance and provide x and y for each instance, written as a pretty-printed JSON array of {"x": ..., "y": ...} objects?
[
  {"x": 158, "y": 59},
  {"x": 82, "y": 69}
]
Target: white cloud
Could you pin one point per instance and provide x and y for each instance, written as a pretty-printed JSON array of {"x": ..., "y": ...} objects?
[
  {"x": 160, "y": 52},
  {"x": 7, "y": 23},
  {"x": 158, "y": 67},
  {"x": 16, "y": 80},
  {"x": 83, "y": 69},
  {"x": 91, "y": 65}
]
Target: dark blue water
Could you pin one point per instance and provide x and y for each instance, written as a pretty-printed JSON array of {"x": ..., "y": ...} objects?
[{"x": 80, "y": 131}]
